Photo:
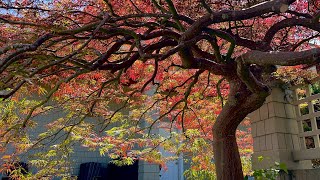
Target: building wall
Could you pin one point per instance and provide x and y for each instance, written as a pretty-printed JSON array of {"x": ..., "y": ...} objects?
[
  {"x": 306, "y": 174},
  {"x": 82, "y": 154},
  {"x": 276, "y": 138},
  {"x": 275, "y": 133}
]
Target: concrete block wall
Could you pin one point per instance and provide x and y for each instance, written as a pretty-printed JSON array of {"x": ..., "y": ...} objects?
[
  {"x": 307, "y": 174},
  {"x": 275, "y": 133},
  {"x": 148, "y": 171}
]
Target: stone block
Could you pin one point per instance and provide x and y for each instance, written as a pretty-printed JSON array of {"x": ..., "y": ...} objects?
[
  {"x": 269, "y": 142},
  {"x": 275, "y": 142},
  {"x": 300, "y": 126},
  {"x": 254, "y": 129},
  {"x": 290, "y": 111},
  {"x": 260, "y": 128},
  {"x": 279, "y": 109},
  {"x": 295, "y": 141},
  {"x": 302, "y": 141},
  {"x": 264, "y": 112},
  {"x": 262, "y": 142},
  {"x": 281, "y": 125},
  {"x": 281, "y": 141},
  {"x": 277, "y": 124},
  {"x": 285, "y": 155},
  {"x": 270, "y": 126},
  {"x": 271, "y": 110},
  {"x": 292, "y": 126},
  {"x": 289, "y": 142},
  {"x": 256, "y": 144}
]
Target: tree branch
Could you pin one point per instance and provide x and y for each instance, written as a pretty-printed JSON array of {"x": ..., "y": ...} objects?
[
  {"x": 282, "y": 58},
  {"x": 309, "y": 23},
  {"x": 278, "y": 6}
]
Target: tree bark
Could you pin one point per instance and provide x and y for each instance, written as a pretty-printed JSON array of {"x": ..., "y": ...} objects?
[
  {"x": 240, "y": 103},
  {"x": 227, "y": 159}
]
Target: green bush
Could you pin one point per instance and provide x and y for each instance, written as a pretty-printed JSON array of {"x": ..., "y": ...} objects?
[{"x": 271, "y": 173}]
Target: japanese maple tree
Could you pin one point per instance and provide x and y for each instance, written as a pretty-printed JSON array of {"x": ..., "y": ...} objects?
[{"x": 200, "y": 66}]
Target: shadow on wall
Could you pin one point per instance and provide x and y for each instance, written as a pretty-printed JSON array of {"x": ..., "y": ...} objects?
[
  {"x": 92, "y": 171},
  {"x": 97, "y": 171}
]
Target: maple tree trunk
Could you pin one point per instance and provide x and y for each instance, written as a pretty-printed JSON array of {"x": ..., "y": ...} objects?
[
  {"x": 226, "y": 153},
  {"x": 240, "y": 103},
  {"x": 227, "y": 158}
]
